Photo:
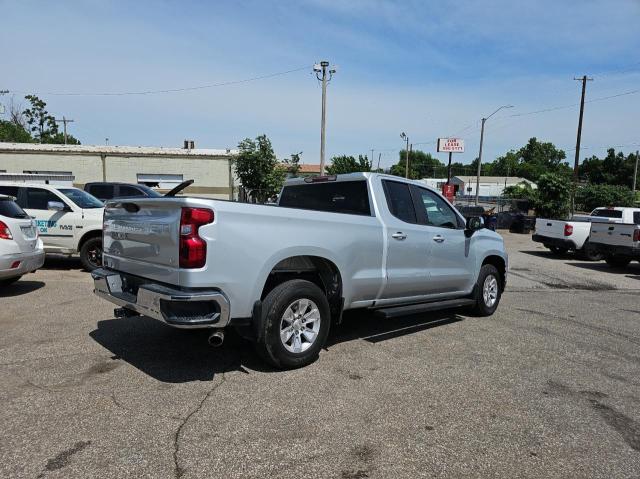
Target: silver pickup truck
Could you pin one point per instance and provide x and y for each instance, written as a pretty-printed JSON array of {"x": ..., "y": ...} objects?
[{"x": 282, "y": 274}]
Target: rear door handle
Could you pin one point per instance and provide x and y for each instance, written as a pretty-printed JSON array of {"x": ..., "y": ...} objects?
[
  {"x": 438, "y": 238},
  {"x": 399, "y": 235}
]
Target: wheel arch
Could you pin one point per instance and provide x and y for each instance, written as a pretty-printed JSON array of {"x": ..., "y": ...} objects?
[
  {"x": 320, "y": 270},
  {"x": 87, "y": 236},
  {"x": 501, "y": 265}
]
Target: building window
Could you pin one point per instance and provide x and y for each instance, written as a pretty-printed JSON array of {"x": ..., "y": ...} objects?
[{"x": 47, "y": 172}]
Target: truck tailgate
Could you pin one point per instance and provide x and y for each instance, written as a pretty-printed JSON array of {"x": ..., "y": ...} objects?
[
  {"x": 615, "y": 234},
  {"x": 550, "y": 228},
  {"x": 141, "y": 237}
]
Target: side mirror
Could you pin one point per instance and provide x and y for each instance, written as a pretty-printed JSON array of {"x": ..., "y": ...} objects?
[
  {"x": 55, "y": 205},
  {"x": 474, "y": 223}
]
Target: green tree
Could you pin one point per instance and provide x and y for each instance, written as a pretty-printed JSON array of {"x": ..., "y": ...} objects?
[
  {"x": 42, "y": 125},
  {"x": 348, "y": 164},
  {"x": 257, "y": 169},
  {"x": 293, "y": 165},
  {"x": 530, "y": 161},
  {"x": 590, "y": 197},
  {"x": 13, "y": 133},
  {"x": 421, "y": 165},
  {"x": 554, "y": 196}
]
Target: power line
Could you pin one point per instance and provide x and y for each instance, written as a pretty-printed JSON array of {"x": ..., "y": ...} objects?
[{"x": 172, "y": 90}]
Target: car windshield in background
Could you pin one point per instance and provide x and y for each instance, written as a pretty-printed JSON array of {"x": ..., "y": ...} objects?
[
  {"x": 604, "y": 213},
  {"x": 350, "y": 197},
  {"x": 10, "y": 209},
  {"x": 151, "y": 193},
  {"x": 82, "y": 199}
]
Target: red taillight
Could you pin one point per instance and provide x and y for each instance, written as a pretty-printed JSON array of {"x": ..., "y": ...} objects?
[
  {"x": 5, "y": 232},
  {"x": 636, "y": 234},
  {"x": 15, "y": 264},
  {"x": 193, "y": 249},
  {"x": 568, "y": 230}
]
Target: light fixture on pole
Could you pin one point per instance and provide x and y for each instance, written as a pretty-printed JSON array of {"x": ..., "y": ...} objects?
[
  {"x": 480, "y": 153},
  {"x": 406, "y": 165},
  {"x": 327, "y": 75}
]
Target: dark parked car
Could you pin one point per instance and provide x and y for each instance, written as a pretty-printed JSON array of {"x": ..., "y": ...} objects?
[{"x": 109, "y": 191}]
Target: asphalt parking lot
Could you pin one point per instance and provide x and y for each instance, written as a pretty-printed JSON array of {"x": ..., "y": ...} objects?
[{"x": 547, "y": 387}]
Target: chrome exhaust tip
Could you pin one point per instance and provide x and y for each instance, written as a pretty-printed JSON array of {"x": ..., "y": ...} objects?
[{"x": 216, "y": 338}]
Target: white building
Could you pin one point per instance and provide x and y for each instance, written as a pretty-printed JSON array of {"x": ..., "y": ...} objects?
[
  {"x": 490, "y": 186},
  {"x": 162, "y": 168}
]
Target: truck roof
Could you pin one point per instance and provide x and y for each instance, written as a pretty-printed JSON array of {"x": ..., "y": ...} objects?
[
  {"x": 361, "y": 175},
  {"x": 35, "y": 185}
]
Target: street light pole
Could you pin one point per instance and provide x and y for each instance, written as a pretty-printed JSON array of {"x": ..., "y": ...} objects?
[
  {"x": 480, "y": 152},
  {"x": 325, "y": 78},
  {"x": 404, "y": 136}
]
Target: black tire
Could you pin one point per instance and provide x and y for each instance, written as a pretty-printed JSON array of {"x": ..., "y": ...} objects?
[
  {"x": 9, "y": 281},
  {"x": 268, "y": 340},
  {"x": 91, "y": 254},
  {"x": 482, "y": 307},
  {"x": 557, "y": 250},
  {"x": 590, "y": 253},
  {"x": 617, "y": 261}
]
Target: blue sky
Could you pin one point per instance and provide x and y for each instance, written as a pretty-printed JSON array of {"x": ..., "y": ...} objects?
[{"x": 428, "y": 68}]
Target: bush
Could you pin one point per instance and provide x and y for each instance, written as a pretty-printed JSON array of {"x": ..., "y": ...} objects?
[
  {"x": 553, "y": 197},
  {"x": 592, "y": 196}
]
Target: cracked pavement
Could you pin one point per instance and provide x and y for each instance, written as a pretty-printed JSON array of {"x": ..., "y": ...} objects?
[{"x": 547, "y": 387}]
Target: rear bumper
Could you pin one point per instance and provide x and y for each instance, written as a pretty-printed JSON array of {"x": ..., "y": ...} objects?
[
  {"x": 29, "y": 262},
  {"x": 180, "y": 308},
  {"x": 558, "y": 242},
  {"x": 615, "y": 250}
]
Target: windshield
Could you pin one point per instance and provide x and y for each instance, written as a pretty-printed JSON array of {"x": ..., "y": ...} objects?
[{"x": 82, "y": 199}]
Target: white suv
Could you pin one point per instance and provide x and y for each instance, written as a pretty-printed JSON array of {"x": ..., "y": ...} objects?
[
  {"x": 69, "y": 220},
  {"x": 21, "y": 250}
]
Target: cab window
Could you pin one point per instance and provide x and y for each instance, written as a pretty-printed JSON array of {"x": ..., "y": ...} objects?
[
  {"x": 37, "y": 199},
  {"x": 399, "y": 201},
  {"x": 435, "y": 211},
  {"x": 129, "y": 191}
]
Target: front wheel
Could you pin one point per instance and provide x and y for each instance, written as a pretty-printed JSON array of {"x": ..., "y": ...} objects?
[
  {"x": 488, "y": 291},
  {"x": 617, "y": 261},
  {"x": 91, "y": 254},
  {"x": 294, "y": 326}
]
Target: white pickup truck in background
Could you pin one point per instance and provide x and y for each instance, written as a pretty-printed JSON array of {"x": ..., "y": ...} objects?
[
  {"x": 561, "y": 236},
  {"x": 619, "y": 243},
  {"x": 284, "y": 273}
]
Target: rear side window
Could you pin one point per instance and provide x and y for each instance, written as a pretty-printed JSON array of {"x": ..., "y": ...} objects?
[
  {"x": 604, "y": 213},
  {"x": 9, "y": 191},
  {"x": 103, "y": 192},
  {"x": 10, "y": 209},
  {"x": 349, "y": 197},
  {"x": 400, "y": 201},
  {"x": 37, "y": 199},
  {"x": 130, "y": 191},
  {"x": 636, "y": 217}
]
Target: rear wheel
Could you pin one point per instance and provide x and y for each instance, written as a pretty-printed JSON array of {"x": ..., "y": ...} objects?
[
  {"x": 8, "y": 281},
  {"x": 488, "y": 291},
  {"x": 590, "y": 253},
  {"x": 91, "y": 254},
  {"x": 617, "y": 261},
  {"x": 557, "y": 250},
  {"x": 295, "y": 324}
]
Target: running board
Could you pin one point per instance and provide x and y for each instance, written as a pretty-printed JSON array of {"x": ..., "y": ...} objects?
[{"x": 397, "y": 311}]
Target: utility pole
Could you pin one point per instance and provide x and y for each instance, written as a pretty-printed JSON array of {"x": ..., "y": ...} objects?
[
  {"x": 404, "y": 136},
  {"x": 584, "y": 80},
  {"x": 327, "y": 74},
  {"x": 635, "y": 172},
  {"x": 480, "y": 153},
  {"x": 380, "y": 156},
  {"x": 64, "y": 121}
]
